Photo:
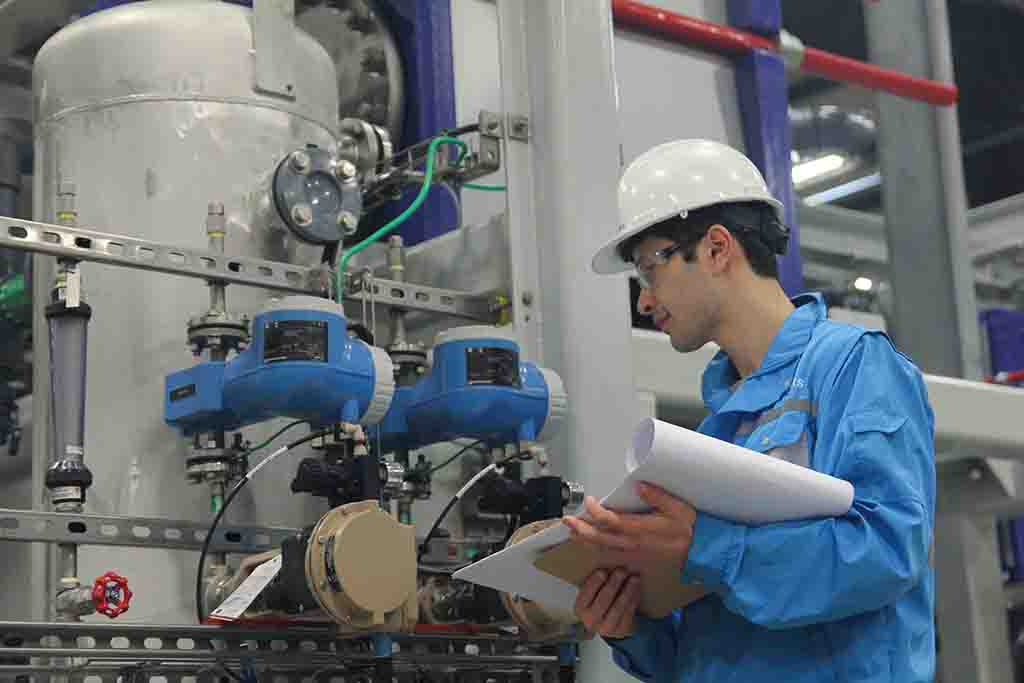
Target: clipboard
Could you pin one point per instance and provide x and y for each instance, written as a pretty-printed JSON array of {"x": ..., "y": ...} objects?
[{"x": 660, "y": 592}]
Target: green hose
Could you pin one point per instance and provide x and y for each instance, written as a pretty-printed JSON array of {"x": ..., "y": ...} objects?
[
  {"x": 485, "y": 188},
  {"x": 428, "y": 177}
]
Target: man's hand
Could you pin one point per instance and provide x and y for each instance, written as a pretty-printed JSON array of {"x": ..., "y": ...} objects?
[
  {"x": 639, "y": 542},
  {"x": 607, "y": 603}
]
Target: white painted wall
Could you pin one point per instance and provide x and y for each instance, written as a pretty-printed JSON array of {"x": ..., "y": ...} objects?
[{"x": 665, "y": 91}]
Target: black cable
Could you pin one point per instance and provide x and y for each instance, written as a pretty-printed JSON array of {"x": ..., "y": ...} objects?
[
  {"x": 455, "y": 457},
  {"x": 518, "y": 455},
  {"x": 266, "y": 442},
  {"x": 462, "y": 130},
  {"x": 521, "y": 456},
  {"x": 433, "y": 530},
  {"x": 223, "y": 508},
  {"x": 410, "y": 152}
]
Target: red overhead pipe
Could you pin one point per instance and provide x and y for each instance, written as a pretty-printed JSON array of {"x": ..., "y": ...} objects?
[
  {"x": 731, "y": 41},
  {"x": 1012, "y": 377},
  {"x": 839, "y": 68}
]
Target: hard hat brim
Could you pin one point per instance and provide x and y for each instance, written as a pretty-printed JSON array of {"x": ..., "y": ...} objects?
[{"x": 609, "y": 261}]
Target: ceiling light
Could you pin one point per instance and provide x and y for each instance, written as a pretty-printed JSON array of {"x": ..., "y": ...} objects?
[
  {"x": 845, "y": 190},
  {"x": 863, "y": 284},
  {"x": 809, "y": 170}
]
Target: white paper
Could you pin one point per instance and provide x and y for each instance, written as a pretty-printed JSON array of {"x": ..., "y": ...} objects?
[
  {"x": 240, "y": 599},
  {"x": 714, "y": 476}
]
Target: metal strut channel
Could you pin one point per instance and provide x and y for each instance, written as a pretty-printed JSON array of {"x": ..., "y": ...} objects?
[
  {"x": 118, "y": 250},
  {"x": 62, "y": 527}
]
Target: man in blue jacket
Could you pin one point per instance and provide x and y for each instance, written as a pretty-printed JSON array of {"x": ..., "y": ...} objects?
[{"x": 848, "y": 598}]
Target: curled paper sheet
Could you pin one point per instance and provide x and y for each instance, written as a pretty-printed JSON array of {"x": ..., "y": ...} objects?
[
  {"x": 714, "y": 476},
  {"x": 725, "y": 480}
]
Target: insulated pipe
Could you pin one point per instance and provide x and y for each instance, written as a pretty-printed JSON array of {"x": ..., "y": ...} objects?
[{"x": 731, "y": 41}]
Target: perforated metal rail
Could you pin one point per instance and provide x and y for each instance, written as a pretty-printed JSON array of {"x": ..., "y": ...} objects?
[
  {"x": 118, "y": 250},
  {"x": 61, "y": 527},
  {"x": 95, "y": 653}
]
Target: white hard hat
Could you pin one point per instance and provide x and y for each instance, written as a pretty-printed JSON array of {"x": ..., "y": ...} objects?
[{"x": 675, "y": 178}]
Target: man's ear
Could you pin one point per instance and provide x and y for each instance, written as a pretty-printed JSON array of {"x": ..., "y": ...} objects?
[{"x": 719, "y": 246}]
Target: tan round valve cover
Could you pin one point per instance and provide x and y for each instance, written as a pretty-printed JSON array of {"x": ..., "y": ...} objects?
[
  {"x": 540, "y": 621},
  {"x": 373, "y": 560}
]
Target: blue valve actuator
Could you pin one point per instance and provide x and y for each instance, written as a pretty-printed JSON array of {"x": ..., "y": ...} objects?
[
  {"x": 302, "y": 364},
  {"x": 477, "y": 388}
]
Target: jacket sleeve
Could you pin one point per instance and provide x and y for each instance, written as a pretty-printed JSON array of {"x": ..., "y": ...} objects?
[
  {"x": 875, "y": 430},
  {"x": 651, "y": 648}
]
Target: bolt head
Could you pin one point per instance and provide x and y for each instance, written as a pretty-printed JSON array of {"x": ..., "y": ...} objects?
[
  {"x": 348, "y": 221},
  {"x": 345, "y": 169},
  {"x": 300, "y": 161},
  {"x": 302, "y": 214}
]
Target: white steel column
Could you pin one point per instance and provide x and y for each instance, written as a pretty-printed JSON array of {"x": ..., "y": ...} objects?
[{"x": 557, "y": 67}]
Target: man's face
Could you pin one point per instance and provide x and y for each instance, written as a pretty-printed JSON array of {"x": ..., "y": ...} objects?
[{"x": 678, "y": 296}]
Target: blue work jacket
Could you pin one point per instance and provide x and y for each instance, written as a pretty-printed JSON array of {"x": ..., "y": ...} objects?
[{"x": 840, "y": 599}]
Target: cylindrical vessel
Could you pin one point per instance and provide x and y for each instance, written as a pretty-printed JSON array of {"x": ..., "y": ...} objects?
[{"x": 152, "y": 110}]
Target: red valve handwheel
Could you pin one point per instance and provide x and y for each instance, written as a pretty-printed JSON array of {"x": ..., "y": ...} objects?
[{"x": 111, "y": 595}]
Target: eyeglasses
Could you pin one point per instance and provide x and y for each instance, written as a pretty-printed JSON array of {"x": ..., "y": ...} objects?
[{"x": 644, "y": 270}]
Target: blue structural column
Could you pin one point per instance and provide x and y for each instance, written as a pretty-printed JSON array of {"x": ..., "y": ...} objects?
[
  {"x": 764, "y": 108},
  {"x": 758, "y": 16},
  {"x": 423, "y": 31},
  {"x": 568, "y": 653},
  {"x": 382, "y": 645},
  {"x": 384, "y": 666}
]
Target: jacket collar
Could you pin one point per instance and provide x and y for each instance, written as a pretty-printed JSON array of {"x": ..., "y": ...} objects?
[{"x": 721, "y": 386}]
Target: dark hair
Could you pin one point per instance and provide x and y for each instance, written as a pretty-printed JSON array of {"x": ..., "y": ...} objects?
[{"x": 744, "y": 220}]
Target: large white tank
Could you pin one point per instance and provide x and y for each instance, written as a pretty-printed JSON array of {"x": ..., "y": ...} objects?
[{"x": 150, "y": 109}]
